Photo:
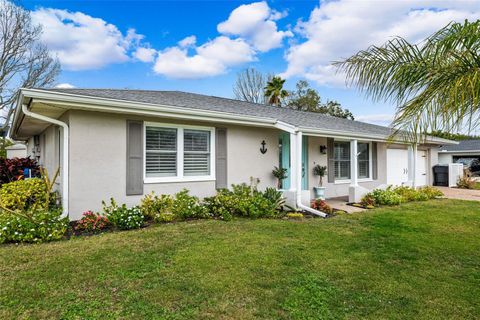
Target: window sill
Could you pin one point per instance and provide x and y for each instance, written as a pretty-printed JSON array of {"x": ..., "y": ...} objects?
[
  {"x": 350, "y": 181},
  {"x": 177, "y": 179}
]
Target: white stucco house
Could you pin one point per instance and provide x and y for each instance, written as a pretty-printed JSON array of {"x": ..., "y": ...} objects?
[
  {"x": 127, "y": 143},
  {"x": 465, "y": 149}
]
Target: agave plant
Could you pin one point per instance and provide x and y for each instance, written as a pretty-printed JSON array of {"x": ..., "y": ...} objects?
[{"x": 275, "y": 197}]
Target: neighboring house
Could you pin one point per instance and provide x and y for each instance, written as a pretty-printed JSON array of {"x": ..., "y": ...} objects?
[
  {"x": 466, "y": 152},
  {"x": 465, "y": 149},
  {"x": 127, "y": 143},
  {"x": 17, "y": 150}
]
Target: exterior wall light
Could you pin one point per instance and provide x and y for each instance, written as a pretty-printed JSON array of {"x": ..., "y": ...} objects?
[{"x": 323, "y": 149}]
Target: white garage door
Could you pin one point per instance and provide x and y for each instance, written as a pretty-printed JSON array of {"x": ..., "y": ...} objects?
[
  {"x": 421, "y": 174},
  {"x": 397, "y": 166}
]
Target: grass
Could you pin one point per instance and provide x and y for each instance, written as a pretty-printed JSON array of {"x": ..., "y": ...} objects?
[{"x": 416, "y": 261}]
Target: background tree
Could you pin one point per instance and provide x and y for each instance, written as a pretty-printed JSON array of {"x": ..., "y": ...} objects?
[
  {"x": 435, "y": 84},
  {"x": 334, "y": 109},
  {"x": 24, "y": 61},
  {"x": 250, "y": 86},
  {"x": 306, "y": 98},
  {"x": 274, "y": 91}
]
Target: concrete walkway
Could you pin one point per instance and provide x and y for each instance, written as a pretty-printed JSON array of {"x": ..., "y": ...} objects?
[
  {"x": 341, "y": 204},
  {"x": 460, "y": 194}
]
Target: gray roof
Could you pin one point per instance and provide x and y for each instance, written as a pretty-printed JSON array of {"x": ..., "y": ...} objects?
[
  {"x": 463, "y": 146},
  {"x": 203, "y": 102}
]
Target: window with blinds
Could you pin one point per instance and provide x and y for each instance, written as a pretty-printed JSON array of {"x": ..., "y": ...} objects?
[
  {"x": 196, "y": 150},
  {"x": 176, "y": 153},
  {"x": 341, "y": 152},
  {"x": 161, "y": 152},
  {"x": 363, "y": 160}
]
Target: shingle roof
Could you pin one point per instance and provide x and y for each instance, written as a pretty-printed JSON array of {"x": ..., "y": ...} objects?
[
  {"x": 211, "y": 103},
  {"x": 465, "y": 145}
]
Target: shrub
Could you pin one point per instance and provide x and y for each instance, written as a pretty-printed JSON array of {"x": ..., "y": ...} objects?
[
  {"x": 466, "y": 182},
  {"x": 164, "y": 217},
  {"x": 295, "y": 215},
  {"x": 32, "y": 226},
  {"x": 186, "y": 206},
  {"x": 24, "y": 194},
  {"x": 157, "y": 208},
  {"x": 122, "y": 217},
  {"x": 386, "y": 197},
  {"x": 29, "y": 194},
  {"x": 223, "y": 205},
  {"x": 256, "y": 206},
  {"x": 245, "y": 201},
  {"x": 92, "y": 222},
  {"x": 321, "y": 205},
  {"x": 410, "y": 194},
  {"x": 368, "y": 201},
  {"x": 12, "y": 169},
  {"x": 431, "y": 192},
  {"x": 275, "y": 197}
]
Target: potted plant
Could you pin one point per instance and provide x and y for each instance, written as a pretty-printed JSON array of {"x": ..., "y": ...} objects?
[
  {"x": 319, "y": 192},
  {"x": 280, "y": 174}
]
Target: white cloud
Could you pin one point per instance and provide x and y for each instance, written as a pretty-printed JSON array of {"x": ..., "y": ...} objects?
[
  {"x": 187, "y": 42},
  {"x": 381, "y": 119},
  {"x": 145, "y": 54},
  {"x": 83, "y": 42},
  {"x": 255, "y": 22},
  {"x": 210, "y": 59},
  {"x": 65, "y": 86},
  {"x": 338, "y": 29}
]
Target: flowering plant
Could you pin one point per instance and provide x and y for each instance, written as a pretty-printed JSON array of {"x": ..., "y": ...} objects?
[
  {"x": 321, "y": 205},
  {"x": 122, "y": 217},
  {"x": 91, "y": 222},
  {"x": 33, "y": 226}
]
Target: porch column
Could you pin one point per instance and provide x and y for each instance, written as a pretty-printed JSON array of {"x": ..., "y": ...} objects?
[
  {"x": 293, "y": 161},
  {"x": 412, "y": 164},
  {"x": 353, "y": 163},
  {"x": 298, "y": 158}
]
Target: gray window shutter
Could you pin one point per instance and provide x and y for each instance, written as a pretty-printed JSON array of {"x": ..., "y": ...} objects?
[
  {"x": 134, "y": 157},
  {"x": 331, "y": 161},
  {"x": 221, "y": 158},
  {"x": 374, "y": 161}
]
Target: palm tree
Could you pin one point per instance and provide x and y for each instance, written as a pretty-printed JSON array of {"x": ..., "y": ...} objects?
[
  {"x": 435, "y": 83},
  {"x": 274, "y": 91}
]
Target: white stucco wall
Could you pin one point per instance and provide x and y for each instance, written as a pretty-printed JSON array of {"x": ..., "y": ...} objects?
[
  {"x": 244, "y": 159},
  {"x": 340, "y": 189},
  {"x": 98, "y": 160},
  {"x": 445, "y": 158},
  {"x": 16, "y": 151}
]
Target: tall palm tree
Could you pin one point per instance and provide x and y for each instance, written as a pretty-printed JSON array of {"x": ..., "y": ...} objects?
[
  {"x": 435, "y": 83},
  {"x": 274, "y": 91}
]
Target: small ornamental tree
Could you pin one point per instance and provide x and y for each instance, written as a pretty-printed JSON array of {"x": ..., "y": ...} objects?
[{"x": 280, "y": 174}]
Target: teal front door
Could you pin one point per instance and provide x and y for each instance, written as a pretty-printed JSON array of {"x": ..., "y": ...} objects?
[
  {"x": 305, "y": 163},
  {"x": 284, "y": 159}
]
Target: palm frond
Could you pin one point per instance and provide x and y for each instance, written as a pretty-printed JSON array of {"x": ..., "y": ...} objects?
[{"x": 435, "y": 84}]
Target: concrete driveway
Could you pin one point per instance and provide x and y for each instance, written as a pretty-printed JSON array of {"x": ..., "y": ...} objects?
[{"x": 461, "y": 194}]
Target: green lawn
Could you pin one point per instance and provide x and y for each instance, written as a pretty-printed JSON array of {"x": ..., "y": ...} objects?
[{"x": 417, "y": 261}]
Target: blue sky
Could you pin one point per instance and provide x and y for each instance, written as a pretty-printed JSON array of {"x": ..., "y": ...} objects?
[{"x": 199, "y": 46}]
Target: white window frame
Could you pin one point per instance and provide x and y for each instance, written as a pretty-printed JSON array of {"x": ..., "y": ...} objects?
[
  {"x": 180, "y": 154},
  {"x": 369, "y": 161},
  {"x": 370, "y": 166},
  {"x": 340, "y": 180}
]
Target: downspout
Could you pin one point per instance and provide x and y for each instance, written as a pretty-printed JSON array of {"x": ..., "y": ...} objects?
[
  {"x": 298, "y": 163},
  {"x": 65, "y": 152}
]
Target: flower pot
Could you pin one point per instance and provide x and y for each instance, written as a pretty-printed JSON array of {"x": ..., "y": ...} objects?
[{"x": 319, "y": 192}]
